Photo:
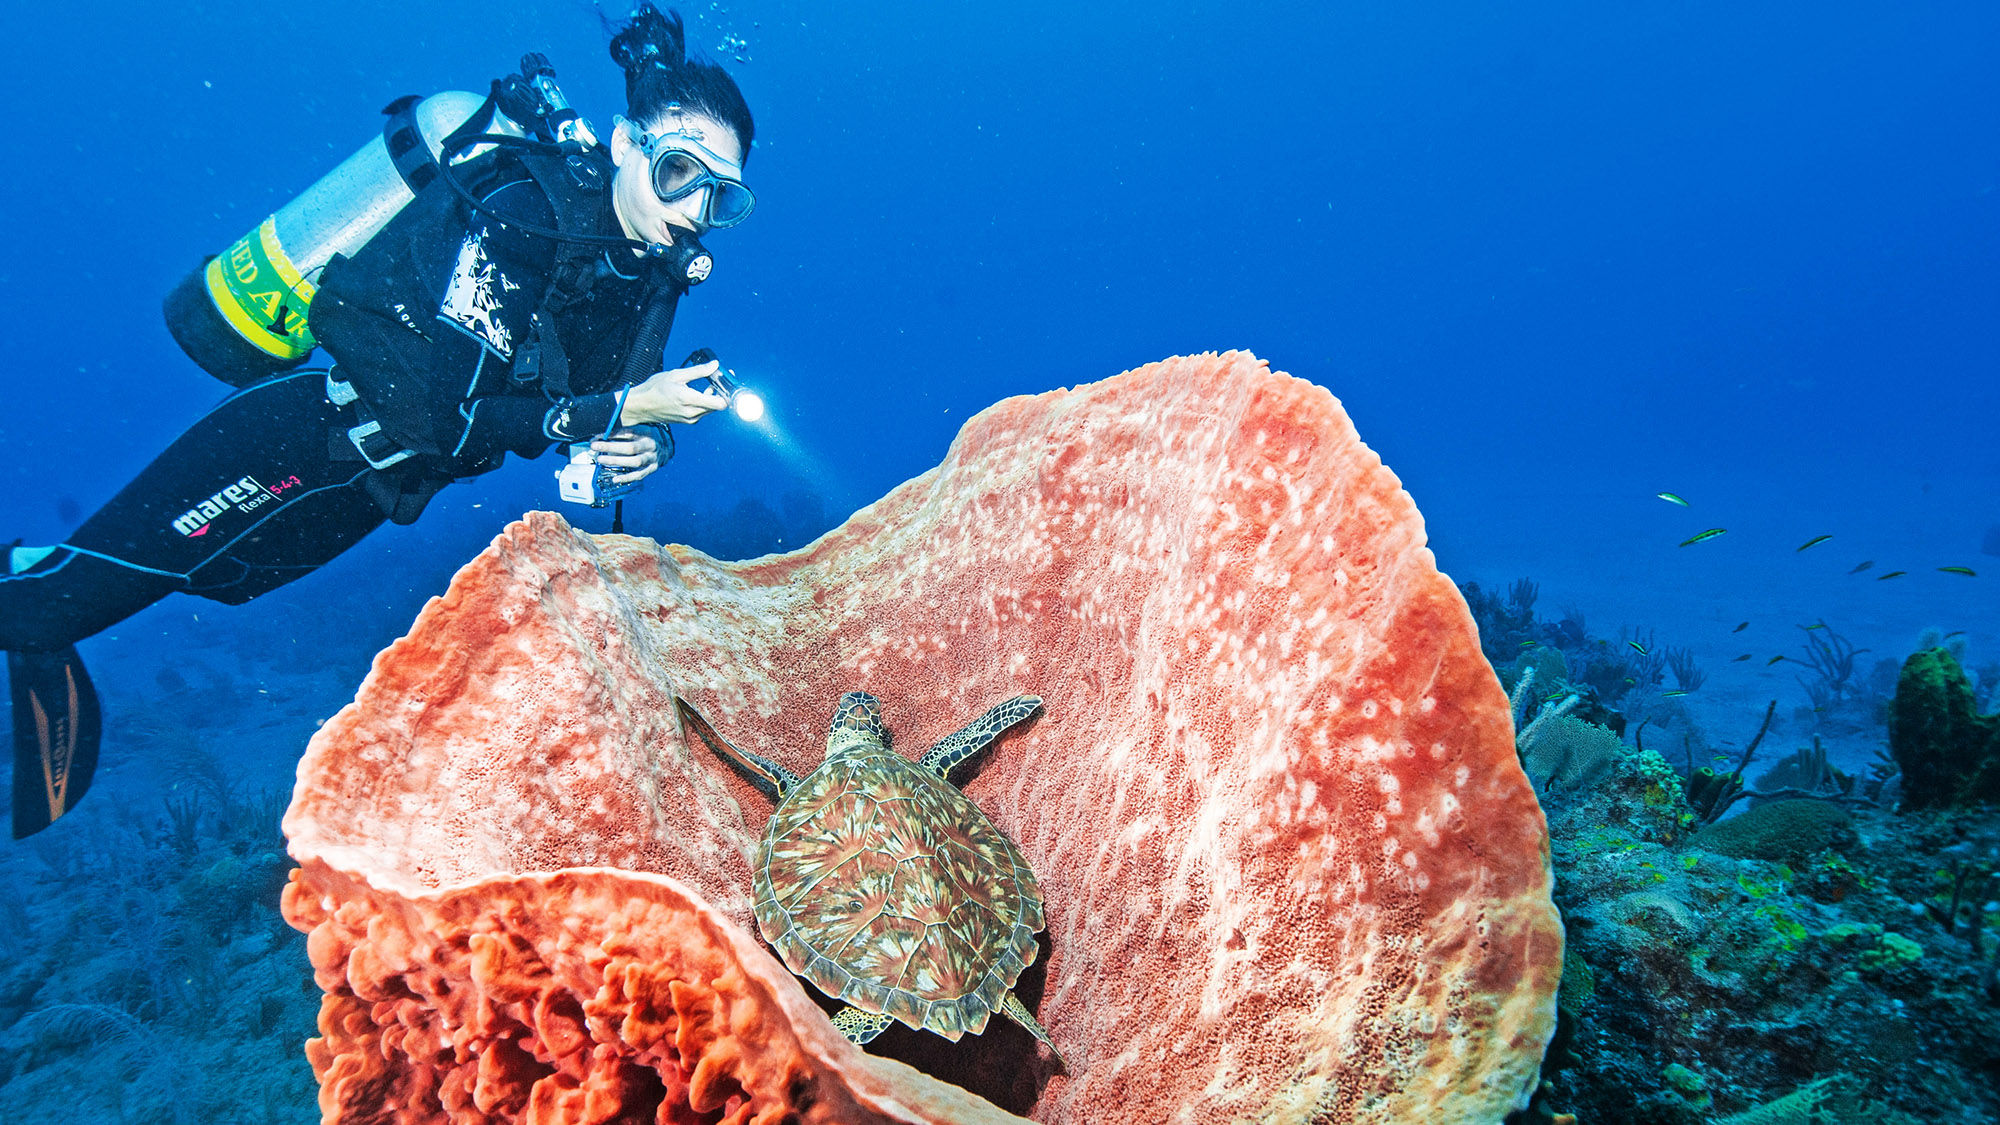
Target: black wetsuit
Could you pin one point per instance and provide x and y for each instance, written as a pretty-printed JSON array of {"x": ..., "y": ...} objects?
[{"x": 455, "y": 339}]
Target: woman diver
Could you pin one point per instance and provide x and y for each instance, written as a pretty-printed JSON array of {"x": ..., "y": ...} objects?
[{"x": 521, "y": 298}]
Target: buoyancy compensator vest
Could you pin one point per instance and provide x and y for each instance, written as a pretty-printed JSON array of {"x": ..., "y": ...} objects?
[{"x": 242, "y": 315}]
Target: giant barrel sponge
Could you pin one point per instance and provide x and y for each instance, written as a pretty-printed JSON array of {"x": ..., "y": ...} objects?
[{"x": 1293, "y": 871}]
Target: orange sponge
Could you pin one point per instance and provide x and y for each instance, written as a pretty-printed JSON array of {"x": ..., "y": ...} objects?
[{"x": 1293, "y": 870}]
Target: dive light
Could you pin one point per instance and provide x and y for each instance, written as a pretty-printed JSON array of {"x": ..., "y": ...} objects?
[{"x": 746, "y": 403}]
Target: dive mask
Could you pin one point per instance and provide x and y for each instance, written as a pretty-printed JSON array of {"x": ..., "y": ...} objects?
[{"x": 681, "y": 166}]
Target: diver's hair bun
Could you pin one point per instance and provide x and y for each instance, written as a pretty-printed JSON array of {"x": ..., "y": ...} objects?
[
  {"x": 662, "y": 76},
  {"x": 651, "y": 41}
]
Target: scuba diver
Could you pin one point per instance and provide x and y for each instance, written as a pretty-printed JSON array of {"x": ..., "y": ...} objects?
[{"x": 485, "y": 278}]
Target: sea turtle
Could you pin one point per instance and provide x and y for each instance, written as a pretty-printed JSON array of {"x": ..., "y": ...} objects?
[{"x": 879, "y": 882}]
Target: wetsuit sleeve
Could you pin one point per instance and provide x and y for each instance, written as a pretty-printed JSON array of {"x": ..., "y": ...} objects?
[{"x": 528, "y": 424}]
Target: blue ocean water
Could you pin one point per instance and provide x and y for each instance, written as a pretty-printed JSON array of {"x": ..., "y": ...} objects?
[{"x": 1555, "y": 258}]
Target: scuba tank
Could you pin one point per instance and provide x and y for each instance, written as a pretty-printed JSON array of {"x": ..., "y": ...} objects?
[{"x": 242, "y": 316}]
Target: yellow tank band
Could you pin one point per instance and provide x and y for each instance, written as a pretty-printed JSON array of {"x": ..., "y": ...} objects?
[
  {"x": 274, "y": 253},
  {"x": 261, "y": 294}
]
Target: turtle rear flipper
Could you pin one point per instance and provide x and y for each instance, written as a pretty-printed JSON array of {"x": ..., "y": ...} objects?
[
  {"x": 1013, "y": 1009},
  {"x": 770, "y": 778},
  {"x": 859, "y": 1026},
  {"x": 973, "y": 737}
]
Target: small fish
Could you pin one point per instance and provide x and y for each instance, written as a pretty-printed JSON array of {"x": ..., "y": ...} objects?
[
  {"x": 1954, "y": 633},
  {"x": 1637, "y": 647},
  {"x": 1709, "y": 534},
  {"x": 1741, "y": 659},
  {"x": 1814, "y": 625},
  {"x": 1529, "y": 644},
  {"x": 1630, "y": 680},
  {"x": 1741, "y": 627},
  {"x": 1864, "y": 564},
  {"x": 1891, "y": 574},
  {"x": 1965, "y": 570},
  {"x": 1814, "y": 541},
  {"x": 1671, "y": 498},
  {"x": 1671, "y": 694},
  {"x": 1774, "y": 660}
]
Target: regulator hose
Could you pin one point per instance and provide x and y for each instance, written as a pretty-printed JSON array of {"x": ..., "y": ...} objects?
[{"x": 649, "y": 345}]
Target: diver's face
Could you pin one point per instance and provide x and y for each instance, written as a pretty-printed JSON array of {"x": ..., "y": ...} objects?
[{"x": 643, "y": 214}]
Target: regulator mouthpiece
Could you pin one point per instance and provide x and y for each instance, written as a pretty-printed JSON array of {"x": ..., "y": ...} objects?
[{"x": 686, "y": 263}]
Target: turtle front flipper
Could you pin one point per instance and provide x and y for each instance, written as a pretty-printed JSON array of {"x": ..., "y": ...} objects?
[
  {"x": 971, "y": 738},
  {"x": 860, "y": 1027},
  {"x": 770, "y": 778}
]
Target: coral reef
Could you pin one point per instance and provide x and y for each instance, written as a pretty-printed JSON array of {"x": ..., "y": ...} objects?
[
  {"x": 1817, "y": 959},
  {"x": 1292, "y": 866},
  {"x": 1567, "y": 753},
  {"x": 1948, "y": 752},
  {"x": 156, "y": 981},
  {"x": 1831, "y": 658},
  {"x": 1618, "y": 682},
  {"x": 1791, "y": 830}
]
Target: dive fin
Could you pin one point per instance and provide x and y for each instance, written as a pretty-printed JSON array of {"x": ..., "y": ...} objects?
[{"x": 57, "y": 726}]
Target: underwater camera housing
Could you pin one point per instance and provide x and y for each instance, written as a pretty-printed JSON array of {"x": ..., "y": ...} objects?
[{"x": 584, "y": 481}]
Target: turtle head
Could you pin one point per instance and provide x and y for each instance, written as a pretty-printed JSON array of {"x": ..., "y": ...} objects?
[{"x": 857, "y": 718}]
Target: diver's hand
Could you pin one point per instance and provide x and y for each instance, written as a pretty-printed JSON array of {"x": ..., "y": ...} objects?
[
  {"x": 632, "y": 452},
  {"x": 666, "y": 397}
]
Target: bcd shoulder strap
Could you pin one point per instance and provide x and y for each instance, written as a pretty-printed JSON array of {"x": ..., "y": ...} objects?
[{"x": 575, "y": 187}]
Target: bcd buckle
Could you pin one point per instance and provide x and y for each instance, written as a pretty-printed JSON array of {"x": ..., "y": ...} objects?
[
  {"x": 338, "y": 391},
  {"x": 386, "y": 451}
]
